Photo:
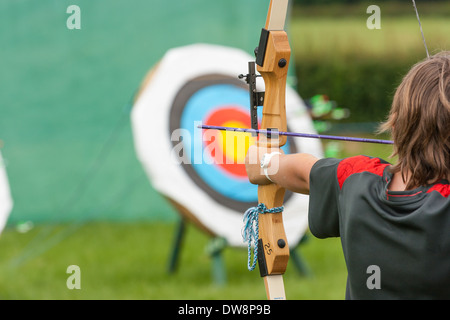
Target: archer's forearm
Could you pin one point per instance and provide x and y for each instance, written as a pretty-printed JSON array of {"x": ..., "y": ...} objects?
[{"x": 293, "y": 172}]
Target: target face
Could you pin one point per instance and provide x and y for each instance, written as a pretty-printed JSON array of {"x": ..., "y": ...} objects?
[
  {"x": 203, "y": 171},
  {"x": 221, "y": 101}
]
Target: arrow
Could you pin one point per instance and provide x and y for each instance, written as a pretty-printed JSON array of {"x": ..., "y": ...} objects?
[{"x": 296, "y": 134}]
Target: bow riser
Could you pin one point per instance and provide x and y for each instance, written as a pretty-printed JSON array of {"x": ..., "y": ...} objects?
[{"x": 272, "y": 242}]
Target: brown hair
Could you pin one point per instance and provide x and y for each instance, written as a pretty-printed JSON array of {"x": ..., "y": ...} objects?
[{"x": 419, "y": 122}]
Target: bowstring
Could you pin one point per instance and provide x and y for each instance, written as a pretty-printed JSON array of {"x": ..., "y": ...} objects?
[{"x": 421, "y": 31}]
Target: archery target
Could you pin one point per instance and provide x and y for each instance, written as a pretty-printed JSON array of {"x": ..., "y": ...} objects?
[
  {"x": 221, "y": 101},
  {"x": 203, "y": 172},
  {"x": 5, "y": 195}
]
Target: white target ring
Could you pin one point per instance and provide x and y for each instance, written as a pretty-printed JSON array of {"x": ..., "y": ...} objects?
[
  {"x": 197, "y": 83},
  {"x": 6, "y": 203}
]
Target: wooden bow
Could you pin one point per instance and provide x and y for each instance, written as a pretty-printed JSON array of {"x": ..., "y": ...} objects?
[{"x": 273, "y": 56}]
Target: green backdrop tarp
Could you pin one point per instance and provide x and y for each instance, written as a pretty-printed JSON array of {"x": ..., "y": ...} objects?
[{"x": 63, "y": 99}]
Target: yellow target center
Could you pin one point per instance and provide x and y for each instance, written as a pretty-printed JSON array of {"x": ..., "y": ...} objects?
[{"x": 235, "y": 144}]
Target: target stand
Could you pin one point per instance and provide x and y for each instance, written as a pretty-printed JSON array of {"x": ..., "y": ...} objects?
[
  {"x": 201, "y": 173},
  {"x": 215, "y": 248}
]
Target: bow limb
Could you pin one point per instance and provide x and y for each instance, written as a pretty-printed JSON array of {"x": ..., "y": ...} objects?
[{"x": 272, "y": 243}]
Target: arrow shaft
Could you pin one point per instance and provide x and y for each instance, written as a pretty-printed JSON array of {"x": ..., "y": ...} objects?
[{"x": 297, "y": 134}]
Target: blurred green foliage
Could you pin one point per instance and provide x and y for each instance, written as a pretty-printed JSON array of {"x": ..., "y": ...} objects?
[
  {"x": 322, "y": 2},
  {"x": 365, "y": 87},
  {"x": 359, "y": 68}
]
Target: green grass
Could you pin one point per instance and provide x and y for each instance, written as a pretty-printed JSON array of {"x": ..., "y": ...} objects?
[{"x": 129, "y": 261}]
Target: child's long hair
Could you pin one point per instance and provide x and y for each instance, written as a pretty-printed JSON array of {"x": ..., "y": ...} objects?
[{"x": 419, "y": 122}]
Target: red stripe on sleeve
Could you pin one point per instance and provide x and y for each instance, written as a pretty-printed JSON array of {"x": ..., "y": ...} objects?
[{"x": 359, "y": 164}]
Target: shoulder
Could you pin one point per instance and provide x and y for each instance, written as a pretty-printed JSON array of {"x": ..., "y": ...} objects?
[
  {"x": 359, "y": 164},
  {"x": 443, "y": 188}
]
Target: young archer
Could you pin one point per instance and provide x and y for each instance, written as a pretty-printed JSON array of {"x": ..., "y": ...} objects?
[{"x": 395, "y": 217}]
